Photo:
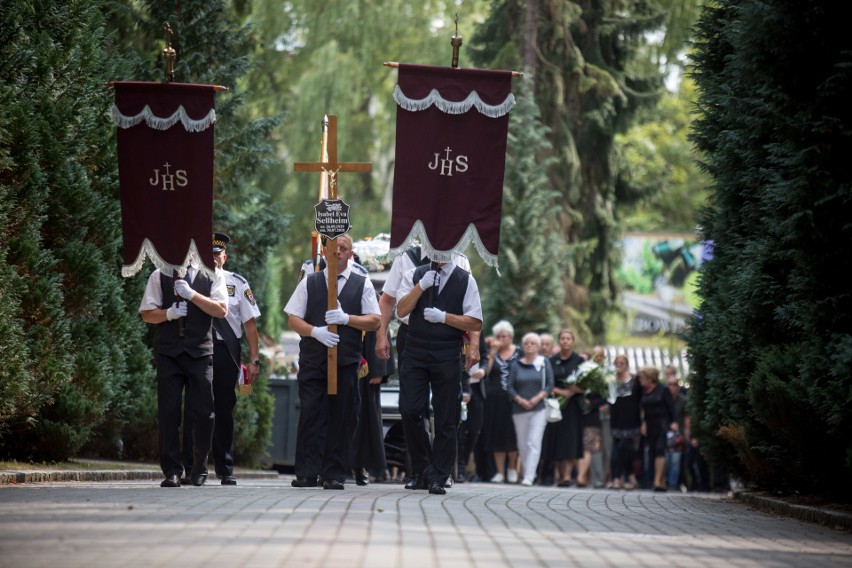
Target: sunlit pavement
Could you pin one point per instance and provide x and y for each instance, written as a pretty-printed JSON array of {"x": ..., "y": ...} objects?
[{"x": 265, "y": 522}]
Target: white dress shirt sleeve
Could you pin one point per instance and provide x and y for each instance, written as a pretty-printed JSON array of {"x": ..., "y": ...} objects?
[
  {"x": 152, "y": 299},
  {"x": 297, "y": 305}
]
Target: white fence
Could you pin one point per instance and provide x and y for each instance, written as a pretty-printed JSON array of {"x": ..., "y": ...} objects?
[{"x": 639, "y": 357}]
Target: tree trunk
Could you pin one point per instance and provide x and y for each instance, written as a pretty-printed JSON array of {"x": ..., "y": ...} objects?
[{"x": 530, "y": 21}]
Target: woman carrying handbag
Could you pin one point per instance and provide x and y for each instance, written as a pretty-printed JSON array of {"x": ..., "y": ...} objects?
[{"x": 530, "y": 383}]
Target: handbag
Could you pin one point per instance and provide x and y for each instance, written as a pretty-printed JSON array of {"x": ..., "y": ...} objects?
[{"x": 552, "y": 412}]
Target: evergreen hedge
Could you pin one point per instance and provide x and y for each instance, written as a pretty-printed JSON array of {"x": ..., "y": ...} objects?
[
  {"x": 771, "y": 347},
  {"x": 78, "y": 374}
]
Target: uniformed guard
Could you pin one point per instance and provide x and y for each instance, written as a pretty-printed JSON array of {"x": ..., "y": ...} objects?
[{"x": 227, "y": 362}]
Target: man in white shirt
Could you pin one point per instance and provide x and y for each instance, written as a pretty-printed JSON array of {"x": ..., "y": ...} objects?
[
  {"x": 411, "y": 258},
  {"x": 183, "y": 309},
  {"x": 227, "y": 364},
  {"x": 322, "y": 437},
  {"x": 442, "y": 302}
]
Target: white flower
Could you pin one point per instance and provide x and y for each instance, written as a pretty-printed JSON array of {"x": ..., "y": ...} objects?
[{"x": 581, "y": 371}]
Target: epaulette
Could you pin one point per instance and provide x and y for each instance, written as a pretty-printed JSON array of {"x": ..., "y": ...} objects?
[
  {"x": 240, "y": 278},
  {"x": 359, "y": 269}
]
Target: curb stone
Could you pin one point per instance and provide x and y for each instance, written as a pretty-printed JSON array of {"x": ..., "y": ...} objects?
[
  {"x": 827, "y": 517},
  {"x": 11, "y": 477}
]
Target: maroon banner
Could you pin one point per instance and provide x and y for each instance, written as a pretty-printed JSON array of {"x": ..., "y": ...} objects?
[
  {"x": 451, "y": 128},
  {"x": 165, "y": 168}
]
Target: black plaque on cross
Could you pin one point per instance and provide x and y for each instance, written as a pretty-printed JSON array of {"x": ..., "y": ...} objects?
[{"x": 332, "y": 218}]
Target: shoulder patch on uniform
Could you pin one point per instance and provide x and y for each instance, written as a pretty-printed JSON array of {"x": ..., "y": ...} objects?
[
  {"x": 231, "y": 289},
  {"x": 249, "y": 296}
]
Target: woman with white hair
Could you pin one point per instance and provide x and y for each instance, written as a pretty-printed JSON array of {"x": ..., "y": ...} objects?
[
  {"x": 498, "y": 431},
  {"x": 530, "y": 382}
]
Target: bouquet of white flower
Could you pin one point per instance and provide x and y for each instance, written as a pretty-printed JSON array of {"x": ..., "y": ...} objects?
[{"x": 590, "y": 377}]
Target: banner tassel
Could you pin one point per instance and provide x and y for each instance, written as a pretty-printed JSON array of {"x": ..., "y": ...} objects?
[{"x": 453, "y": 107}]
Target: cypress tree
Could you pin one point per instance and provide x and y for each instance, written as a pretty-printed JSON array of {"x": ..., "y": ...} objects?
[
  {"x": 772, "y": 344},
  {"x": 211, "y": 49},
  {"x": 529, "y": 293},
  {"x": 594, "y": 73},
  {"x": 71, "y": 334}
]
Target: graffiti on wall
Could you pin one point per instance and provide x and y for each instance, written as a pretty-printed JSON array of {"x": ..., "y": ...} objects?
[{"x": 658, "y": 279}]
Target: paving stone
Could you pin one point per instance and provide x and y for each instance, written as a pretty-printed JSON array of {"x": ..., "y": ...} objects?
[{"x": 79, "y": 522}]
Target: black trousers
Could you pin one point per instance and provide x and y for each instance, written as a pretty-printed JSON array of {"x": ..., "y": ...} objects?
[
  {"x": 419, "y": 374},
  {"x": 174, "y": 376},
  {"x": 226, "y": 374},
  {"x": 401, "y": 335},
  {"x": 322, "y": 435}
]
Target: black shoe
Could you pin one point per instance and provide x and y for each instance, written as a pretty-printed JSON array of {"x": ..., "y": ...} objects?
[
  {"x": 332, "y": 484},
  {"x": 304, "y": 482},
  {"x": 229, "y": 480},
  {"x": 416, "y": 482},
  {"x": 171, "y": 481},
  {"x": 198, "y": 479},
  {"x": 362, "y": 478},
  {"x": 660, "y": 489},
  {"x": 436, "y": 488},
  {"x": 185, "y": 481}
]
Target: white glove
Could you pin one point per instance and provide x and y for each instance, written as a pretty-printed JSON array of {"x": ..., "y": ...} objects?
[
  {"x": 435, "y": 315},
  {"x": 428, "y": 280},
  {"x": 337, "y": 317},
  {"x": 178, "y": 310},
  {"x": 183, "y": 289},
  {"x": 324, "y": 336}
]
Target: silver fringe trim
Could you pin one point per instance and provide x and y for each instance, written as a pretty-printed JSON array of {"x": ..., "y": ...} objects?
[
  {"x": 148, "y": 250},
  {"x": 163, "y": 123},
  {"x": 471, "y": 236},
  {"x": 453, "y": 107}
]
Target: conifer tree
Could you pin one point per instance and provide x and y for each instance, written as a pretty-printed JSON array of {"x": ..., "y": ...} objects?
[
  {"x": 592, "y": 75},
  {"x": 772, "y": 344},
  {"x": 529, "y": 293},
  {"x": 211, "y": 49},
  {"x": 72, "y": 342}
]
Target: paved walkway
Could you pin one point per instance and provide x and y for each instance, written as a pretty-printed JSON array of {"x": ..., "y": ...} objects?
[{"x": 264, "y": 522}]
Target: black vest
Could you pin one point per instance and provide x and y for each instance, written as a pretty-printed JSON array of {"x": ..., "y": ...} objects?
[
  {"x": 349, "y": 348},
  {"x": 414, "y": 256},
  {"x": 198, "y": 336},
  {"x": 443, "y": 341}
]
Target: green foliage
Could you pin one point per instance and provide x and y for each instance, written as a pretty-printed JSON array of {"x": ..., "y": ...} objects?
[
  {"x": 211, "y": 49},
  {"x": 658, "y": 155},
  {"x": 318, "y": 58},
  {"x": 771, "y": 346},
  {"x": 593, "y": 77},
  {"x": 529, "y": 292},
  {"x": 62, "y": 294}
]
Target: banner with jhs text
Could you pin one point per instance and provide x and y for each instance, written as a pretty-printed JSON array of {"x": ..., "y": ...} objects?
[
  {"x": 451, "y": 132},
  {"x": 165, "y": 164}
]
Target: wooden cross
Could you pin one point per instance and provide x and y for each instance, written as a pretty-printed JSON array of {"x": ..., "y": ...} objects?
[{"x": 331, "y": 167}]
